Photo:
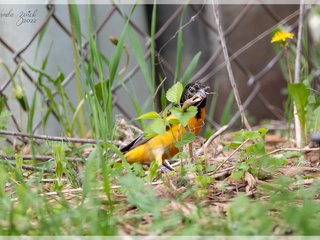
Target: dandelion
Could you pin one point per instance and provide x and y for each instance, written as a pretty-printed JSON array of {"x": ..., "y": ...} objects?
[{"x": 281, "y": 36}]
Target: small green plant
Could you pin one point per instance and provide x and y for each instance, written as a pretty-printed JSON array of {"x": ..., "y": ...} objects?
[
  {"x": 253, "y": 157},
  {"x": 161, "y": 121},
  {"x": 303, "y": 101}
]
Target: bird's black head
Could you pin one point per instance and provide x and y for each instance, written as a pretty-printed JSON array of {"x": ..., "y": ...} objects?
[{"x": 195, "y": 89}]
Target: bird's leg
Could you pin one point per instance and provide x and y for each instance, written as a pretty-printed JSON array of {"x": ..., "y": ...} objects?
[
  {"x": 166, "y": 168},
  {"x": 168, "y": 165},
  {"x": 162, "y": 164}
]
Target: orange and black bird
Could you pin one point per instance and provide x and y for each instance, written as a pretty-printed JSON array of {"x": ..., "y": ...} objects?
[{"x": 162, "y": 147}]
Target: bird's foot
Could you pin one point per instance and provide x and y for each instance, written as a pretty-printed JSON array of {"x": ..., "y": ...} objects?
[{"x": 166, "y": 167}]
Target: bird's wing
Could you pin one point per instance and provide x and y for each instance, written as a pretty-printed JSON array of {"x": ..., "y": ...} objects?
[{"x": 139, "y": 140}]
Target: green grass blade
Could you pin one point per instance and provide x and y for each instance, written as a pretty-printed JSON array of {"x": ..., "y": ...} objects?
[
  {"x": 76, "y": 38},
  {"x": 76, "y": 23},
  {"x": 179, "y": 49},
  {"x": 138, "y": 53},
  {"x": 190, "y": 69},
  {"x": 226, "y": 115},
  {"x": 30, "y": 123},
  {"x": 117, "y": 56},
  {"x": 40, "y": 38}
]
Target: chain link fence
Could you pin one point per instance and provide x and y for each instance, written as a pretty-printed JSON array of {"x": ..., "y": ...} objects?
[{"x": 247, "y": 29}]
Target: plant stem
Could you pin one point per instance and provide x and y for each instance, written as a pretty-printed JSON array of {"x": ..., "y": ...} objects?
[
  {"x": 286, "y": 56},
  {"x": 299, "y": 130},
  {"x": 297, "y": 124}
]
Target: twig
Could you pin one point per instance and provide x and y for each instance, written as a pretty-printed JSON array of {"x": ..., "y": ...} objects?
[
  {"x": 230, "y": 156},
  {"x": 54, "y": 138},
  {"x": 228, "y": 65},
  {"x": 28, "y": 167},
  {"x": 303, "y": 182},
  {"x": 41, "y": 157},
  {"x": 50, "y": 180},
  {"x": 251, "y": 43},
  {"x": 246, "y": 103},
  {"x": 299, "y": 130},
  {"x": 213, "y": 136},
  {"x": 79, "y": 190},
  {"x": 307, "y": 149}
]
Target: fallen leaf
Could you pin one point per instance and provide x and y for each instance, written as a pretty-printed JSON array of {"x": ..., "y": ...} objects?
[{"x": 251, "y": 183}]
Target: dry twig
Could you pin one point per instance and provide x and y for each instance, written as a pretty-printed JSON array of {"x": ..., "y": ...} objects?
[
  {"x": 211, "y": 138},
  {"x": 228, "y": 65},
  {"x": 54, "y": 138},
  {"x": 230, "y": 156}
]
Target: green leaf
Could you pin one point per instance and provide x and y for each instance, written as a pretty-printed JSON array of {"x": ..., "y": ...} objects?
[
  {"x": 300, "y": 94},
  {"x": 173, "y": 121},
  {"x": 237, "y": 174},
  {"x": 59, "y": 169},
  {"x": 188, "y": 137},
  {"x": 142, "y": 196},
  {"x": 184, "y": 116},
  {"x": 262, "y": 132},
  {"x": 269, "y": 163},
  {"x": 149, "y": 115},
  {"x": 190, "y": 69},
  {"x": 204, "y": 180},
  {"x": 59, "y": 157},
  {"x": 4, "y": 115},
  {"x": 250, "y": 135},
  {"x": 157, "y": 127},
  {"x": 153, "y": 170},
  {"x": 233, "y": 144},
  {"x": 256, "y": 149},
  {"x": 182, "y": 155},
  {"x": 19, "y": 161},
  {"x": 316, "y": 119},
  {"x": 174, "y": 93}
]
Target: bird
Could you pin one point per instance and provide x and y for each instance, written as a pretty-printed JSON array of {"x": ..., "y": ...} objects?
[{"x": 163, "y": 147}]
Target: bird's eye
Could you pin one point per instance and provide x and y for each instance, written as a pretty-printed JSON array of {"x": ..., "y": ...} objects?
[{"x": 192, "y": 90}]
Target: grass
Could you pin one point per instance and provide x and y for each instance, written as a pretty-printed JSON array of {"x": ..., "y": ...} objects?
[{"x": 245, "y": 189}]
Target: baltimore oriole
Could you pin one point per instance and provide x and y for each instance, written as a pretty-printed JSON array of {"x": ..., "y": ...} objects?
[{"x": 162, "y": 147}]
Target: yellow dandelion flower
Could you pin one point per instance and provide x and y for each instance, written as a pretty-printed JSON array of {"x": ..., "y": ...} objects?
[{"x": 281, "y": 36}]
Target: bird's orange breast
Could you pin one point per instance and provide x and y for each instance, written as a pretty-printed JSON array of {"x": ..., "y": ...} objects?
[
  {"x": 163, "y": 146},
  {"x": 195, "y": 124}
]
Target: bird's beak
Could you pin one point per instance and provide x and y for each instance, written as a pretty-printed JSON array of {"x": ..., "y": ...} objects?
[
  {"x": 201, "y": 93},
  {"x": 199, "y": 96},
  {"x": 196, "y": 99}
]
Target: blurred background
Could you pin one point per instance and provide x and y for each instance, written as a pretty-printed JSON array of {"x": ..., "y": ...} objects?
[{"x": 35, "y": 38}]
